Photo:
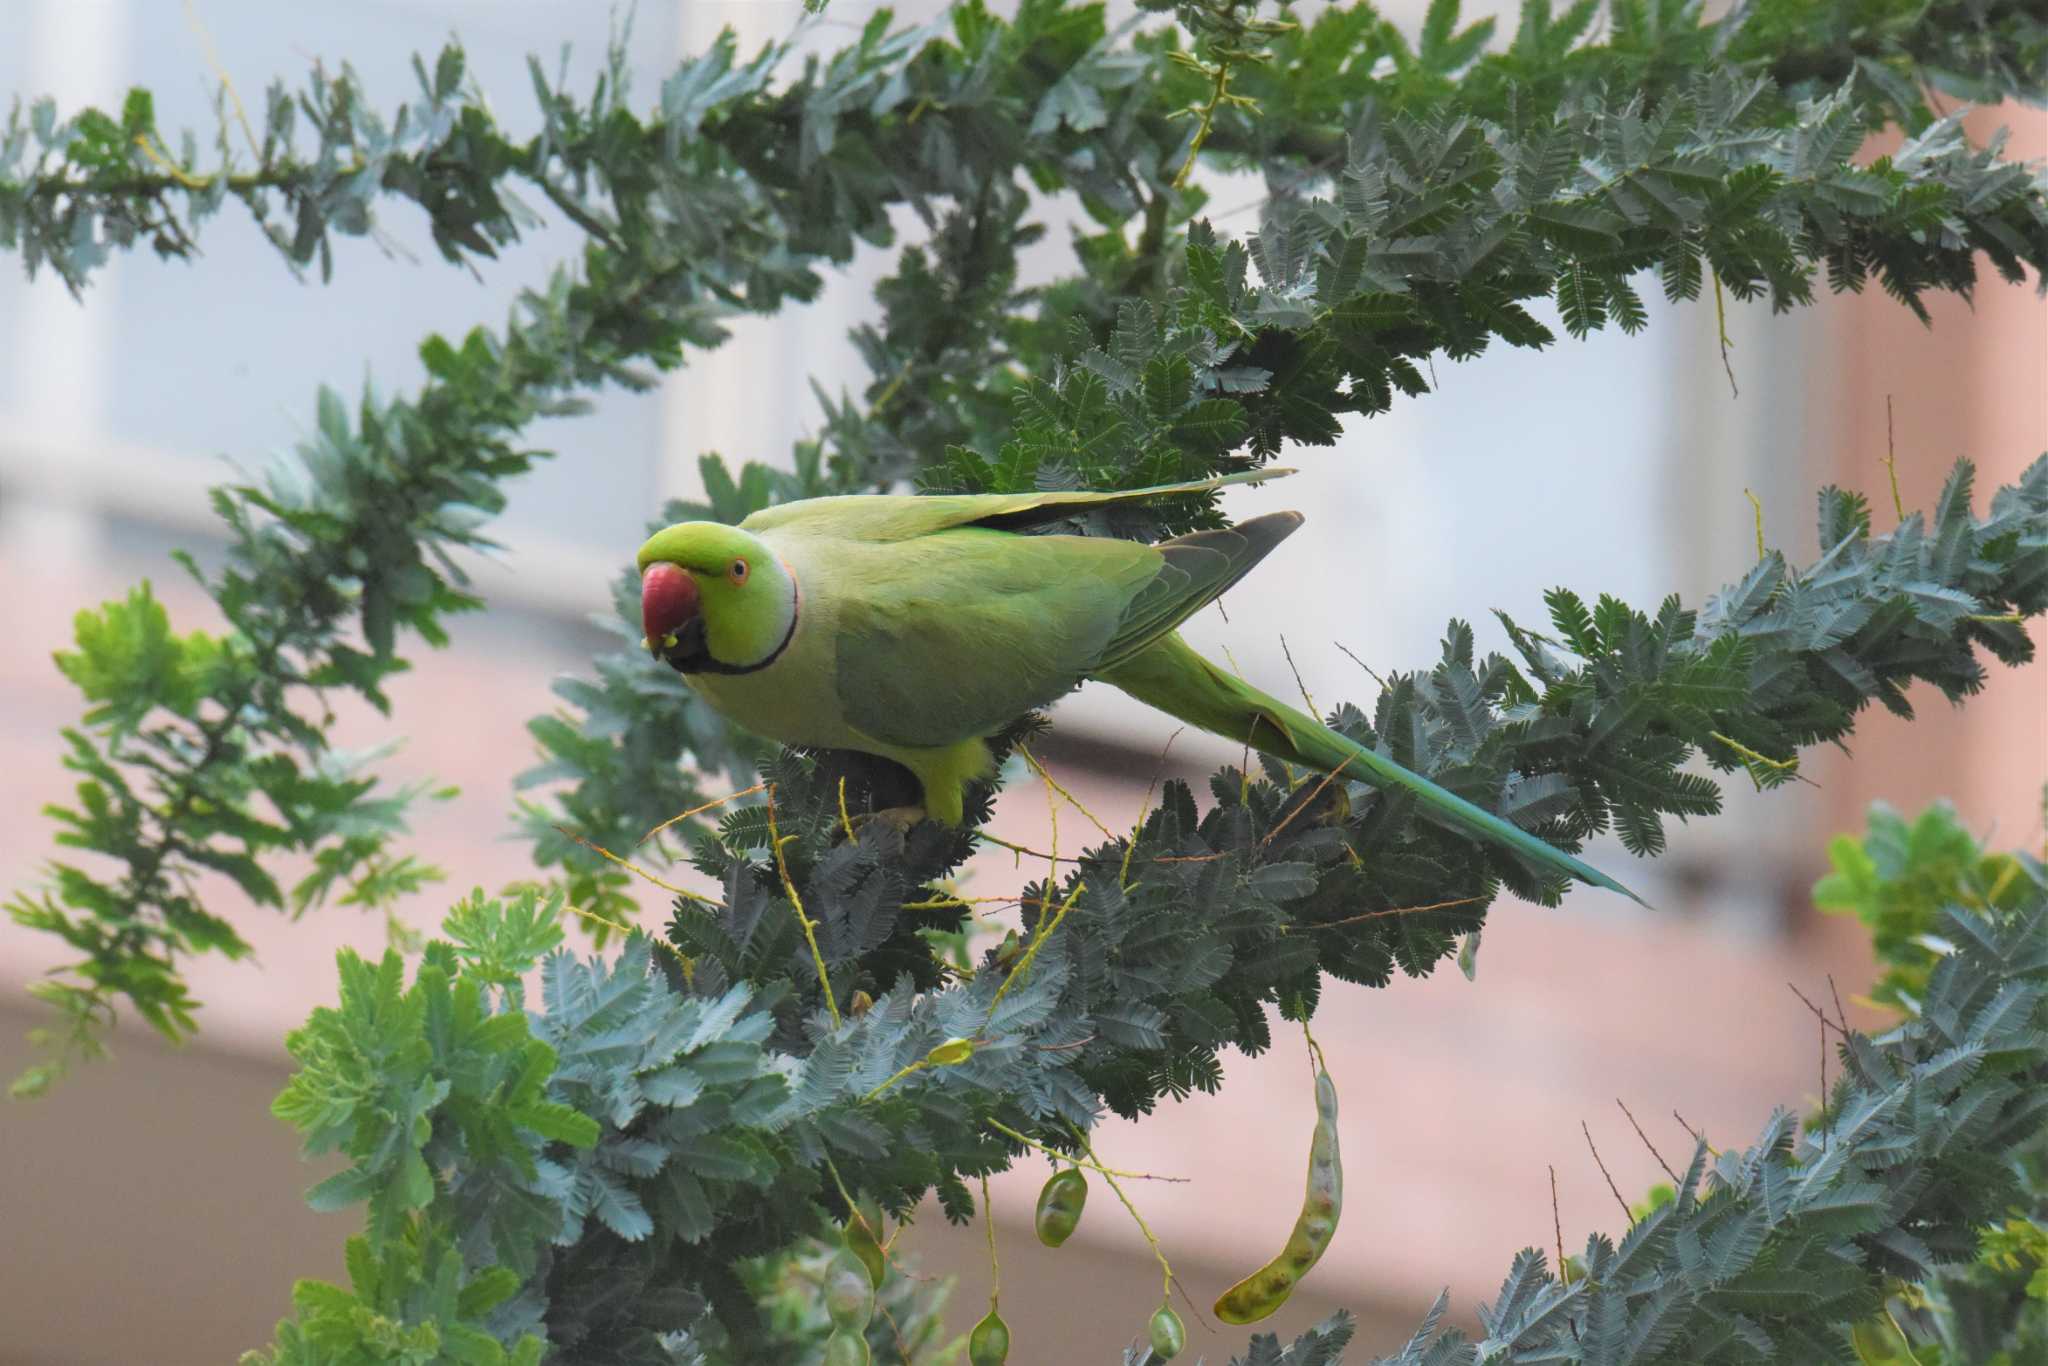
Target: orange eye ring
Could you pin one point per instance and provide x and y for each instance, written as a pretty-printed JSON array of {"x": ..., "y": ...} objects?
[{"x": 737, "y": 572}]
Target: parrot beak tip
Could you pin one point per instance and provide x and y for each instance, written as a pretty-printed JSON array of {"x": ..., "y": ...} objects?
[{"x": 669, "y": 600}]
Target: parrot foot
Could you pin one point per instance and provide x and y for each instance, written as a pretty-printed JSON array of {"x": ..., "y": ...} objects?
[{"x": 901, "y": 817}]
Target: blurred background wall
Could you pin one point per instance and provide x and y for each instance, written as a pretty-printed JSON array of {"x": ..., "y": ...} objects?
[{"x": 152, "y": 1206}]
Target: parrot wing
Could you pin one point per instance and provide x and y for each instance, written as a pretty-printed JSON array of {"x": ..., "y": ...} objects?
[
  {"x": 971, "y": 628},
  {"x": 902, "y": 517},
  {"x": 1199, "y": 568},
  {"x": 950, "y": 636}
]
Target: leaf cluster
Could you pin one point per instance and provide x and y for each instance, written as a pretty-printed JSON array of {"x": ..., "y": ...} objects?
[
  {"x": 1774, "y": 1251},
  {"x": 689, "y": 1126},
  {"x": 412, "y": 1082},
  {"x": 1896, "y": 879},
  {"x": 1459, "y": 184},
  {"x": 625, "y": 1152}
]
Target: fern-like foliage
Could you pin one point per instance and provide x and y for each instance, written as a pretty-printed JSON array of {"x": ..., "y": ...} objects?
[
  {"x": 630, "y": 1159},
  {"x": 1419, "y": 193},
  {"x": 1930, "y": 1144},
  {"x": 610, "y": 1159}
]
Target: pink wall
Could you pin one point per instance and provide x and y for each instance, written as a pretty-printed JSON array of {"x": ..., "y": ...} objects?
[{"x": 1974, "y": 384}]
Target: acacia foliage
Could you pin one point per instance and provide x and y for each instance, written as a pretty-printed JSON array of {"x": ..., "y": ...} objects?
[
  {"x": 689, "y": 1123},
  {"x": 1907, "y": 1221},
  {"x": 1418, "y": 193},
  {"x": 701, "y": 1162},
  {"x": 1457, "y": 182}
]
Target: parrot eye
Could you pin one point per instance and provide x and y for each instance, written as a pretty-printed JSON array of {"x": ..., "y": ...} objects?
[{"x": 737, "y": 572}]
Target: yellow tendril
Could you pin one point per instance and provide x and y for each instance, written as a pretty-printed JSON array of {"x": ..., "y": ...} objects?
[
  {"x": 1045, "y": 931},
  {"x": 797, "y": 903}
]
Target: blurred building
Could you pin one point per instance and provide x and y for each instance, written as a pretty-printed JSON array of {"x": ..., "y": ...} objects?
[{"x": 153, "y": 1205}]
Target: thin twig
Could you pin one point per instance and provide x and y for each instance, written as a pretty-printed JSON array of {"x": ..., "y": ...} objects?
[
  {"x": 605, "y": 853},
  {"x": 887, "y": 1247},
  {"x": 1647, "y": 1144},
  {"x": 1721, "y": 325},
  {"x": 1045, "y": 932},
  {"x": 909, "y": 1069},
  {"x": 1840, "y": 1014},
  {"x": 1750, "y": 756},
  {"x": 1123, "y": 877},
  {"x": 167, "y": 166},
  {"x": 1060, "y": 1047},
  {"x": 1891, "y": 460},
  {"x": 797, "y": 904},
  {"x": 1032, "y": 760},
  {"x": 1370, "y": 671},
  {"x": 1056, "y": 1155},
  {"x": 698, "y": 811},
  {"x": 1603, "y": 1171},
  {"x": 1165, "y": 1268},
  {"x": 628, "y": 931},
  {"x": 1013, "y": 848},
  {"x": 1396, "y": 910},
  {"x": 1328, "y": 778},
  {"x": 1557, "y": 1226},
  {"x": 1244, "y": 763},
  {"x": 212, "y": 56},
  {"x": 995, "y": 1270},
  {"x": 944, "y": 903},
  {"x": 1697, "y": 1135},
  {"x": 1312, "y": 709},
  {"x": 1823, "y": 1085},
  {"x": 575, "y": 212},
  {"x": 1818, "y": 1013}
]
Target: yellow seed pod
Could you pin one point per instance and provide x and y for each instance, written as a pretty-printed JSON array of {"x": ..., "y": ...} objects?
[
  {"x": 863, "y": 1229},
  {"x": 1266, "y": 1289}
]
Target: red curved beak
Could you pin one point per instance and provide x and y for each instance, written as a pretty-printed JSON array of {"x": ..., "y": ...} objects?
[{"x": 668, "y": 601}]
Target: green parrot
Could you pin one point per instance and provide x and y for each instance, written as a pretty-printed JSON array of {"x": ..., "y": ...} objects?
[{"x": 914, "y": 627}]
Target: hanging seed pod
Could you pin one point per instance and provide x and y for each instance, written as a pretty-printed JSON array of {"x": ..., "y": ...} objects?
[
  {"x": 849, "y": 1294},
  {"x": 1168, "y": 1336},
  {"x": 863, "y": 1228},
  {"x": 1266, "y": 1289},
  {"x": 846, "y": 1348},
  {"x": 989, "y": 1344},
  {"x": 1060, "y": 1202}
]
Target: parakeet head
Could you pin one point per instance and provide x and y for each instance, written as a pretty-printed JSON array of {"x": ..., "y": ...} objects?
[{"x": 714, "y": 599}]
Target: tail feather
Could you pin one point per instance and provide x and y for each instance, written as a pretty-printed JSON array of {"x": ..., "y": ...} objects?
[{"x": 1176, "y": 680}]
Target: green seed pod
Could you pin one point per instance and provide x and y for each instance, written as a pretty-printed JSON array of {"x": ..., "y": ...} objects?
[
  {"x": 846, "y": 1347},
  {"x": 951, "y": 1053},
  {"x": 862, "y": 1229},
  {"x": 1060, "y": 1202},
  {"x": 849, "y": 1294},
  {"x": 1266, "y": 1289},
  {"x": 1168, "y": 1336},
  {"x": 989, "y": 1344}
]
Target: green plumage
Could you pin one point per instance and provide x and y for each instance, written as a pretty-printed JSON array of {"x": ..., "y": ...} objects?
[{"x": 914, "y": 627}]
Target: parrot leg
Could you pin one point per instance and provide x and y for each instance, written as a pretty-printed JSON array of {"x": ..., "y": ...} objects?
[
  {"x": 944, "y": 773},
  {"x": 902, "y": 817}
]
